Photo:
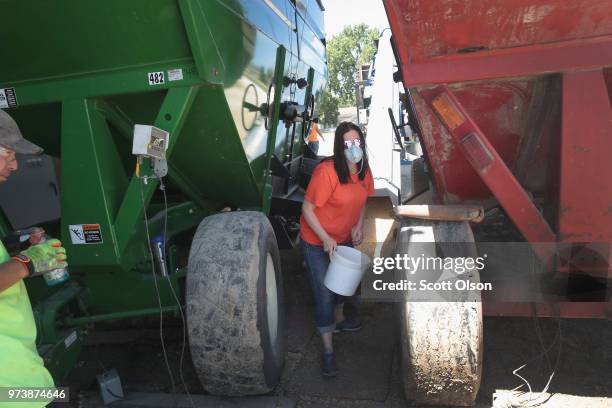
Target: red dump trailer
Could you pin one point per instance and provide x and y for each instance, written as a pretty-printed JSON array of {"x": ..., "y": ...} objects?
[{"x": 511, "y": 101}]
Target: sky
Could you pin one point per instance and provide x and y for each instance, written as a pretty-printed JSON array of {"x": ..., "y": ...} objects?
[{"x": 340, "y": 13}]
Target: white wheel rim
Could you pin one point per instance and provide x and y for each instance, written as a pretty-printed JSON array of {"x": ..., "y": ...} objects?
[{"x": 271, "y": 302}]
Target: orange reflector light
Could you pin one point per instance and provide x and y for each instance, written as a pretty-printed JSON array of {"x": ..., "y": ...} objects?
[{"x": 448, "y": 111}]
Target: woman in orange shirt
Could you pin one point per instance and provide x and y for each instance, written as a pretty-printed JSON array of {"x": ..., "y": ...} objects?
[{"x": 332, "y": 215}]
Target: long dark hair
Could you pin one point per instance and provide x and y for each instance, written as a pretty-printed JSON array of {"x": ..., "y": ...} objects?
[{"x": 340, "y": 164}]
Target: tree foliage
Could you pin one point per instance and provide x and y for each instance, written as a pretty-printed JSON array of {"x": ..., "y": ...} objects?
[
  {"x": 328, "y": 109},
  {"x": 346, "y": 52}
]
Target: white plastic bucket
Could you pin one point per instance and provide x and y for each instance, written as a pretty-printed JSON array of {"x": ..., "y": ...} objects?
[{"x": 345, "y": 270}]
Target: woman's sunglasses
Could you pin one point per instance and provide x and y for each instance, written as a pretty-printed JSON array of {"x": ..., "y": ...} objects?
[{"x": 349, "y": 143}]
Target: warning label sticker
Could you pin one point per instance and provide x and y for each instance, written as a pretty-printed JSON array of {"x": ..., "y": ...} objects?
[
  {"x": 85, "y": 234},
  {"x": 175, "y": 74},
  {"x": 8, "y": 99}
]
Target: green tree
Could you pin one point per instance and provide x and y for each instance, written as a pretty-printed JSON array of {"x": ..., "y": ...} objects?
[
  {"x": 346, "y": 52},
  {"x": 328, "y": 109}
]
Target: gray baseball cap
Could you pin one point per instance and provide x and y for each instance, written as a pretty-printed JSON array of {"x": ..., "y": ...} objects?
[{"x": 11, "y": 138}]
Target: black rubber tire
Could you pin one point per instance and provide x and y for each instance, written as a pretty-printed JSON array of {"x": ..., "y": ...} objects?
[
  {"x": 440, "y": 341},
  {"x": 227, "y": 305}
]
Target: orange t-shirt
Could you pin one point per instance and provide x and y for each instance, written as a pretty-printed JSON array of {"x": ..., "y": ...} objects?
[
  {"x": 337, "y": 205},
  {"x": 314, "y": 132}
]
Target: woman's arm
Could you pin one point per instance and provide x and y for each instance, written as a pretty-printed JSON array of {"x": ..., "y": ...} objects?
[
  {"x": 11, "y": 272},
  {"x": 361, "y": 216},
  {"x": 357, "y": 231},
  {"x": 329, "y": 245}
]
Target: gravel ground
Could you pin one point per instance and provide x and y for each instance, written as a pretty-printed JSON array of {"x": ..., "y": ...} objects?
[{"x": 368, "y": 360}]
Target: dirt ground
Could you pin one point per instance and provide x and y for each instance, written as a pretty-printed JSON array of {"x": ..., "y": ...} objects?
[{"x": 368, "y": 360}]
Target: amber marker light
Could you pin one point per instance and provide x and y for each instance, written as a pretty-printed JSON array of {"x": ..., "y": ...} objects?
[{"x": 447, "y": 111}]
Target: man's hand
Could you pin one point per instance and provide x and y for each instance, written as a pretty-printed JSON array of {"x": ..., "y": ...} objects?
[
  {"x": 329, "y": 245},
  {"x": 43, "y": 257},
  {"x": 357, "y": 234}
]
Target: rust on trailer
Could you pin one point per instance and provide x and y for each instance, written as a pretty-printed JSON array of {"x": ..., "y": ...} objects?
[
  {"x": 489, "y": 165},
  {"x": 458, "y": 41},
  {"x": 503, "y": 111},
  {"x": 533, "y": 80},
  {"x": 439, "y": 28},
  {"x": 526, "y": 61}
]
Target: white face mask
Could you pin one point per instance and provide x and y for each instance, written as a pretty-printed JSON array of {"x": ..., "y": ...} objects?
[{"x": 353, "y": 154}]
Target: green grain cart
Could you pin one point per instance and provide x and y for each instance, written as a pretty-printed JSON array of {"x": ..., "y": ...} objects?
[{"x": 234, "y": 83}]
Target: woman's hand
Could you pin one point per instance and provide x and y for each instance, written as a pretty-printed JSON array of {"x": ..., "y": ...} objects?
[
  {"x": 329, "y": 245},
  {"x": 357, "y": 234}
]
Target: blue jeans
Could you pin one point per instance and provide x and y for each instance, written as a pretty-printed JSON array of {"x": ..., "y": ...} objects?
[
  {"x": 314, "y": 146},
  {"x": 325, "y": 301}
]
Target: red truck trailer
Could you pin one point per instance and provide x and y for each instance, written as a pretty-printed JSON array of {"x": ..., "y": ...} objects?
[{"x": 511, "y": 102}]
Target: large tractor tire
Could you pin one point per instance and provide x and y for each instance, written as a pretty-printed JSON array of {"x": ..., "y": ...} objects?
[
  {"x": 440, "y": 340},
  {"x": 235, "y": 305}
]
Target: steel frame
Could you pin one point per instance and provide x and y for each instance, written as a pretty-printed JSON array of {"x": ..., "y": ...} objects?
[
  {"x": 494, "y": 172},
  {"x": 585, "y": 208},
  {"x": 85, "y": 120},
  {"x": 279, "y": 71},
  {"x": 584, "y": 310},
  {"x": 507, "y": 63},
  {"x": 584, "y": 214},
  {"x": 566, "y": 56},
  {"x": 578, "y": 160}
]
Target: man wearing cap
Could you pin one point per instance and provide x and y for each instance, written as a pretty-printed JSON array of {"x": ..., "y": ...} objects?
[{"x": 20, "y": 364}]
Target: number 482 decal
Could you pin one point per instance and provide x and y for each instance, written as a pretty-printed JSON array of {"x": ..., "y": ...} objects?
[{"x": 156, "y": 78}]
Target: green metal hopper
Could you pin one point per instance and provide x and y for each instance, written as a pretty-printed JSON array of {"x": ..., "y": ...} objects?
[{"x": 235, "y": 83}]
